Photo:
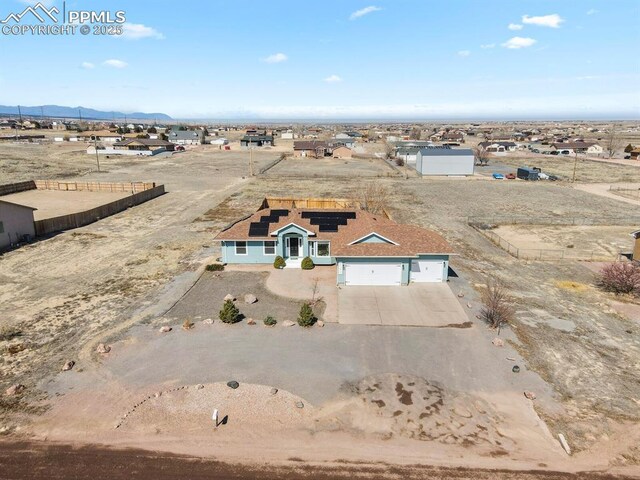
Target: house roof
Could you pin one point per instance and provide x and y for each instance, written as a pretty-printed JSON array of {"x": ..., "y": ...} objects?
[
  {"x": 185, "y": 134},
  {"x": 309, "y": 144},
  {"x": 445, "y": 151},
  {"x": 18, "y": 205},
  {"x": 409, "y": 240},
  {"x": 143, "y": 141},
  {"x": 572, "y": 145}
]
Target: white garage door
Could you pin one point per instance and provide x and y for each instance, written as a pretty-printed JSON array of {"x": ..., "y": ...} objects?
[
  {"x": 372, "y": 273},
  {"x": 426, "y": 271}
]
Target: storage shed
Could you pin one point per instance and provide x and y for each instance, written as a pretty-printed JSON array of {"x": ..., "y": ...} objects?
[{"x": 445, "y": 161}]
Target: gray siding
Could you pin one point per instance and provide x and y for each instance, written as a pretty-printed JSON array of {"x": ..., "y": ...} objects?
[
  {"x": 17, "y": 221},
  {"x": 445, "y": 164}
]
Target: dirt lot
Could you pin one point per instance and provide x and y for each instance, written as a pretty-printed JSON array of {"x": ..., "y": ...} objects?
[
  {"x": 578, "y": 242},
  {"x": 68, "y": 293},
  {"x": 53, "y": 203},
  {"x": 332, "y": 167}
]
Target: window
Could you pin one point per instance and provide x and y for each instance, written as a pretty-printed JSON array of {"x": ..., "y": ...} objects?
[
  {"x": 241, "y": 248},
  {"x": 319, "y": 249},
  {"x": 269, "y": 248}
]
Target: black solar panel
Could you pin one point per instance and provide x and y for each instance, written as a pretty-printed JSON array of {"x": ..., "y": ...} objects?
[
  {"x": 269, "y": 219},
  {"x": 279, "y": 213},
  {"x": 258, "y": 229},
  {"x": 328, "y": 228},
  {"x": 335, "y": 221},
  {"x": 348, "y": 215}
]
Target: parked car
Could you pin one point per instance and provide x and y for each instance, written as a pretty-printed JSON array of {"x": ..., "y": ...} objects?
[
  {"x": 546, "y": 152},
  {"x": 553, "y": 178},
  {"x": 498, "y": 176},
  {"x": 627, "y": 157},
  {"x": 543, "y": 176},
  {"x": 510, "y": 176},
  {"x": 555, "y": 152},
  {"x": 179, "y": 148},
  {"x": 565, "y": 152},
  {"x": 535, "y": 150}
]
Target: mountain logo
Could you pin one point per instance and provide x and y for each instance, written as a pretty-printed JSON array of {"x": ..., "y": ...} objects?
[{"x": 38, "y": 10}]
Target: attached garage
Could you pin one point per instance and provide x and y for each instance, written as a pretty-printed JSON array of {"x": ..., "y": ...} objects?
[
  {"x": 372, "y": 273},
  {"x": 427, "y": 271}
]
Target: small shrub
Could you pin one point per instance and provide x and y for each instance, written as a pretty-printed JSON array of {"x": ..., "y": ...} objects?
[
  {"x": 270, "y": 321},
  {"x": 306, "y": 318},
  {"x": 279, "y": 262},
  {"x": 8, "y": 333},
  {"x": 229, "y": 312},
  {"x": 188, "y": 324},
  {"x": 307, "y": 264},
  {"x": 399, "y": 162},
  {"x": 620, "y": 278},
  {"x": 496, "y": 310},
  {"x": 215, "y": 267}
]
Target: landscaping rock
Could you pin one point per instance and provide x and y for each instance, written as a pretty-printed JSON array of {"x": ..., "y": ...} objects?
[
  {"x": 273, "y": 391},
  {"x": 208, "y": 321},
  {"x": 498, "y": 342},
  {"x": 165, "y": 329},
  {"x": 15, "y": 390},
  {"x": 515, "y": 369},
  {"x": 288, "y": 323},
  {"x": 251, "y": 321},
  {"x": 299, "y": 404},
  {"x": 228, "y": 296},
  {"x": 249, "y": 298},
  {"x": 469, "y": 305},
  {"x": 157, "y": 394},
  {"x": 199, "y": 386},
  {"x": 233, "y": 384},
  {"x": 320, "y": 323},
  {"x": 68, "y": 366},
  {"x": 460, "y": 295},
  {"x": 530, "y": 395},
  {"x": 102, "y": 348}
]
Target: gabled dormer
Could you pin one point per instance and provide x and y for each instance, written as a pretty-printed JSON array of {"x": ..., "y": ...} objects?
[{"x": 373, "y": 237}]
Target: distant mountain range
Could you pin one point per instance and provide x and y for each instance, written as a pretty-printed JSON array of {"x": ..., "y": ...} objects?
[{"x": 57, "y": 111}]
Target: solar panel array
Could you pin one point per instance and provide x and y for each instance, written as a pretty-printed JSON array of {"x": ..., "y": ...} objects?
[
  {"x": 261, "y": 228},
  {"x": 329, "y": 221}
]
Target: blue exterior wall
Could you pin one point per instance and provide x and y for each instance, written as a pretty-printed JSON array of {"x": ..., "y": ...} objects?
[
  {"x": 255, "y": 253},
  {"x": 445, "y": 258},
  {"x": 372, "y": 239}
]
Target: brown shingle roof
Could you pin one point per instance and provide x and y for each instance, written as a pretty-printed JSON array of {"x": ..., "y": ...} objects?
[{"x": 409, "y": 240}]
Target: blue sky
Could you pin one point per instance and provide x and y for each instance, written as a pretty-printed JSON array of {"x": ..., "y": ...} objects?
[{"x": 339, "y": 59}]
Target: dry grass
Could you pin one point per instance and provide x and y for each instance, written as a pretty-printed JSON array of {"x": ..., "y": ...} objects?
[{"x": 571, "y": 286}]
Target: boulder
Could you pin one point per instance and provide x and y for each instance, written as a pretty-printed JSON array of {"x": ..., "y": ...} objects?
[
  {"x": 68, "y": 366},
  {"x": 460, "y": 295},
  {"x": 16, "y": 389},
  {"x": 498, "y": 342},
  {"x": 320, "y": 323},
  {"x": 250, "y": 298},
  {"x": 299, "y": 404},
  {"x": 273, "y": 391},
  {"x": 165, "y": 329},
  {"x": 530, "y": 395},
  {"x": 288, "y": 323},
  {"x": 208, "y": 321},
  {"x": 233, "y": 384},
  {"x": 199, "y": 386},
  {"x": 469, "y": 305},
  {"x": 251, "y": 321},
  {"x": 228, "y": 296},
  {"x": 102, "y": 348}
]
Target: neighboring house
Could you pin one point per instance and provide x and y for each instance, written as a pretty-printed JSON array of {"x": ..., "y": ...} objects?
[
  {"x": 636, "y": 246},
  {"x": 104, "y": 136},
  {"x": 635, "y": 154},
  {"x": 257, "y": 141},
  {"x": 342, "y": 152},
  {"x": 407, "y": 154},
  {"x": 311, "y": 148},
  {"x": 367, "y": 249},
  {"x": 16, "y": 224},
  {"x": 347, "y": 141},
  {"x": 186, "y": 137},
  {"x": 445, "y": 161},
  {"x": 135, "y": 146},
  {"x": 498, "y": 146},
  {"x": 288, "y": 135},
  {"x": 579, "y": 147},
  {"x": 453, "y": 137},
  {"x": 219, "y": 141}
]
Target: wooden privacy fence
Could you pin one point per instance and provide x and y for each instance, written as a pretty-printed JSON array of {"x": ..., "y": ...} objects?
[
  {"x": 133, "y": 187},
  {"x": 10, "y": 188},
  {"x": 320, "y": 203},
  {"x": 80, "y": 219}
]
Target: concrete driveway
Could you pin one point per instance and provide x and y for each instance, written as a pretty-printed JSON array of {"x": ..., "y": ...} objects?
[{"x": 418, "y": 305}]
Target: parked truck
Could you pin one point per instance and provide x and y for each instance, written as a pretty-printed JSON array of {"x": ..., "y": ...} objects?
[{"x": 526, "y": 173}]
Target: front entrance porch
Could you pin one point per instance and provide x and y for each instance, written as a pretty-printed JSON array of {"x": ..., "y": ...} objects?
[{"x": 293, "y": 251}]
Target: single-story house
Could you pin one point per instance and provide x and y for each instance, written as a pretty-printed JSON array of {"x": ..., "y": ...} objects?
[
  {"x": 445, "y": 161},
  {"x": 578, "y": 147},
  {"x": 310, "y": 148},
  {"x": 16, "y": 223},
  {"x": 347, "y": 141},
  {"x": 342, "y": 152},
  {"x": 257, "y": 141},
  {"x": 635, "y": 154},
  {"x": 499, "y": 146},
  {"x": 636, "y": 246},
  {"x": 104, "y": 136},
  {"x": 288, "y": 135},
  {"x": 366, "y": 248},
  {"x": 186, "y": 137},
  {"x": 219, "y": 141},
  {"x": 135, "y": 146}
]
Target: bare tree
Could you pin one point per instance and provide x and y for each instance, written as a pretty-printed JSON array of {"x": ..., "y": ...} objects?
[
  {"x": 481, "y": 154},
  {"x": 496, "y": 310},
  {"x": 415, "y": 134},
  {"x": 314, "y": 291},
  {"x": 389, "y": 151},
  {"x": 612, "y": 142},
  {"x": 373, "y": 197}
]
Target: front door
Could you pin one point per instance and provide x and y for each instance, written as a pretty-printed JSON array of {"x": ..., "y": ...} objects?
[{"x": 294, "y": 245}]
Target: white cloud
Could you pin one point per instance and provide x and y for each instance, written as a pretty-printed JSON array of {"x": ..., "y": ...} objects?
[
  {"x": 488, "y": 45},
  {"x": 113, "y": 63},
  {"x": 553, "y": 20},
  {"x": 514, "y": 26},
  {"x": 136, "y": 31},
  {"x": 364, "y": 11},
  {"x": 276, "y": 58},
  {"x": 464, "y": 53},
  {"x": 518, "y": 42},
  {"x": 592, "y": 11},
  {"x": 87, "y": 65},
  {"x": 333, "y": 79}
]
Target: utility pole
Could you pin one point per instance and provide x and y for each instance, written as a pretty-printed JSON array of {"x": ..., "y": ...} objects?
[
  {"x": 20, "y": 114},
  {"x": 80, "y": 115},
  {"x": 575, "y": 165},
  {"x": 250, "y": 160},
  {"x": 95, "y": 145}
]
